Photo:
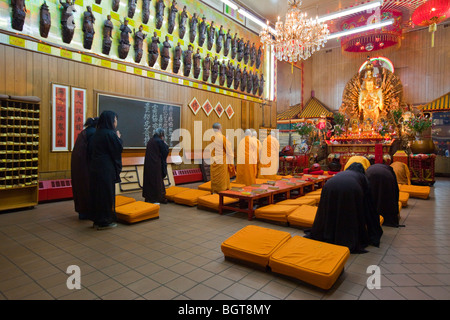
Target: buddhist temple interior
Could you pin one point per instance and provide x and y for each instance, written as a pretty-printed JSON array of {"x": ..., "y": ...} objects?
[{"x": 213, "y": 150}]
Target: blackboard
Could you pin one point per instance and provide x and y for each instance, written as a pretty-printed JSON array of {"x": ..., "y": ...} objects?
[{"x": 138, "y": 119}]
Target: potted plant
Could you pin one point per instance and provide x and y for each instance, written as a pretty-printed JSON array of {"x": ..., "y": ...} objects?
[
  {"x": 417, "y": 125},
  {"x": 305, "y": 130}
]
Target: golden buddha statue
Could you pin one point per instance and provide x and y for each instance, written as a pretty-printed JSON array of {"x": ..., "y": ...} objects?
[{"x": 370, "y": 102}]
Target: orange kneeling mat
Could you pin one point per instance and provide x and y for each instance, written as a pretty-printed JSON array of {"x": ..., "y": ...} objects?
[
  {"x": 254, "y": 244},
  {"x": 315, "y": 262},
  {"x": 316, "y": 197},
  {"x": 189, "y": 197},
  {"x": 174, "y": 190},
  {"x": 298, "y": 202},
  {"x": 137, "y": 211},
  {"x": 212, "y": 201},
  {"x": 276, "y": 212},
  {"x": 421, "y": 192},
  {"x": 403, "y": 197},
  {"x": 122, "y": 200},
  {"x": 303, "y": 216}
]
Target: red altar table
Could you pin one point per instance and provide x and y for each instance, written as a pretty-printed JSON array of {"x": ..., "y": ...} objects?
[
  {"x": 348, "y": 148},
  {"x": 421, "y": 167}
]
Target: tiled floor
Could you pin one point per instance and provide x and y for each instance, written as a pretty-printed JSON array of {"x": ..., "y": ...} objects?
[{"x": 178, "y": 256}]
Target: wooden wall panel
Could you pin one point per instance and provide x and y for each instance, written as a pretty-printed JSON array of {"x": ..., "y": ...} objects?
[{"x": 25, "y": 72}]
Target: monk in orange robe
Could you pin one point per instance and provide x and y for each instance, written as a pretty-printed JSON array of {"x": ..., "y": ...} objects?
[
  {"x": 258, "y": 152},
  {"x": 270, "y": 157},
  {"x": 222, "y": 161},
  {"x": 246, "y": 160}
]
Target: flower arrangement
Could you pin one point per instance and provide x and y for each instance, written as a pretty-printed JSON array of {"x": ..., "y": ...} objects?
[
  {"x": 304, "y": 128},
  {"x": 419, "y": 124},
  {"x": 339, "y": 120}
]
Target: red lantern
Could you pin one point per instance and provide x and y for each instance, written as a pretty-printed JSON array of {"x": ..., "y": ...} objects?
[{"x": 430, "y": 14}]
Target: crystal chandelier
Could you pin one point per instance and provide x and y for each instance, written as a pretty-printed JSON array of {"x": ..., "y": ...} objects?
[{"x": 298, "y": 38}]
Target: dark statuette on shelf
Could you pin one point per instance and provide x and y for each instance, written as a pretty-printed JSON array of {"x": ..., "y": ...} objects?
[
  {"x": 139, "y": 38},
  {"x": 67, "y": 20},
  {"x": 172, "y": 16},
  {"x": 153, "y": 51},
  {"x": 45, "y": 21},
  {"x": 159, "y": 13},
  {"x": 88, "y": 28},
  {"x": 124, "y": 42},
  {"x": 107, "y": 35},
  {"x": 19, "y": 13}
]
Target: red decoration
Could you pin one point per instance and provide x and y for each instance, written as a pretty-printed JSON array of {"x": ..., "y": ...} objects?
[
  {"x": 375, "y": 39},
  {"x": 430, "y": 14}
]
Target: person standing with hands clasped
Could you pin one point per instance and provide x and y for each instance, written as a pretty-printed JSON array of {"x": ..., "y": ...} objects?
[
  {"x": 105, "y": 149},
  {"x": 155, "y": 168}
]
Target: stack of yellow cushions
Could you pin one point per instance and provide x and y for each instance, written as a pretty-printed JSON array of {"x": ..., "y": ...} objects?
[
  {"x": 403, "y": 197},
  {"x": 174, "y": 190},
  {"x": 137, "y": 211},
  {"x": 122, "y": 200},
  {"x": 274, "y": 212},
  {"x": 421, "y": 192},
  {"x": 303, "y": 216},
  {"x": 311, "y": 261},
  {"x": 207, "y": 186},
  {"x": 212, "y": 201},
  {"x": 254, "y": 244},
  {"x": 189, "y": 197}
]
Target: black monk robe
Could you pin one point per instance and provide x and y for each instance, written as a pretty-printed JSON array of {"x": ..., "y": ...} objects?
[
  {"x": 385, "y": 192},
  {"x": 155, "y": 170},
  {"x": 80, "y": 173},
  {"x": 105, "y": 166},
  {"x": 345, "y": 215}
]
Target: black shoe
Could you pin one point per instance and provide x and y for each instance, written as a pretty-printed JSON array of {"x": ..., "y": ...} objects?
[{"x": 108, "y": 226}]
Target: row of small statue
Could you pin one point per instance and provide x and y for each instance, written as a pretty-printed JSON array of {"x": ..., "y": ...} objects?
[{"x": 239, "y": 48}]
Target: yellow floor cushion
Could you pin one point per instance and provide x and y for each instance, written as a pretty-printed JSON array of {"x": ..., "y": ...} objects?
[
  {"x": 189, "y": 197},
  {"x": 122, "y": 200},
  {"x": 400, "y": 205},
  {"x": 318, "y": 191},
  {"x": 315, "y": 262},
  {"x": 254, "y": 244},
  {"x": 421, "y": 192},
  {"x": 174, "y": 190},
  {"x": 212, "y": 201},
  {"x": 303, "y": 216},
  {"x": 205, "y": 186},
  {"x": 403, "y": 197},
  {"x": 316, "y": 197},
  {"x": 275, "y": 212},
  {"x": 298, "y": 202},
  {"x": 381, "y": 220},
  {"x": 137, "y": 211}
]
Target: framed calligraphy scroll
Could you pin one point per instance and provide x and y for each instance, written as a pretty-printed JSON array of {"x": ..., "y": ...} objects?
[
  {"x": 60, "y": 117},
  {"x": 78, "y": 104}
]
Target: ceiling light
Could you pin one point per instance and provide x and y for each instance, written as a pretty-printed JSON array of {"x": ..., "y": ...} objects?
[
  {"x": 230, "y": 4},
  {"x": 349, "y": 11},
  {"x": 361, "y": 29}
]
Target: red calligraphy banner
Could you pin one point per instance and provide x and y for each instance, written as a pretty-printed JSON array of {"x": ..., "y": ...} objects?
[
  {"x": 60, "y": 116},
  {"x": 78, "y": 112}
]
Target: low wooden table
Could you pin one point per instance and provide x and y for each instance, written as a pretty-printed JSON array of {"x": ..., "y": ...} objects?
[{"x": 247, "y": 194}]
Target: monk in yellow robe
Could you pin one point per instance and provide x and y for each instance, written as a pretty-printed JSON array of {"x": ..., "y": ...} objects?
[
  {"x": 258, "y": 152},
  {"x": 401, "y": 172},
  {"x": 270, "y": 157},
  {"x": 246, "y": 160},
  {"x": 222, "y": 161}
]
